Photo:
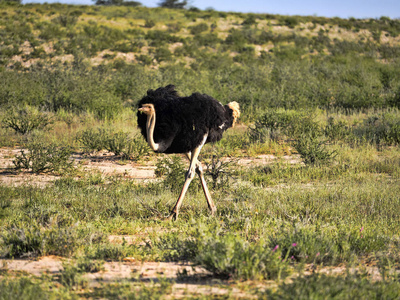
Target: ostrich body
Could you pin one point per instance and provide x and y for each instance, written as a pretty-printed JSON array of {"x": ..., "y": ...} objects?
[{"x": 174, "y": 124}]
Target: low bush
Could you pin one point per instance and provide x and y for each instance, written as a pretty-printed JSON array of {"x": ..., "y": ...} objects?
[
  {"x": 380, "y": 129},
  {"x": 313, "y": 150},
  {"x": 93, "y": 140},
  {"x": 120, "y": 143},
  {"x": 44, "y": 157},
  {"x": 322, "y": 286},
  {"x": 173, "y": 171},
  {"x": 136, "y": 148},
  {"x": 71, "y": 277},
  {"x": 229, "y": 256},
  {"x": 199, "y": 28},
  {"x": 12, "y": 288},
  {"x": 26, "y": 119},
  {"x": 336, "y": 130},
  {"x": 279, "y": 124},
  {"x": 219, "y": 171},
  {"x": 21, "y": 242},
  {"x": 87, "y": 265}
]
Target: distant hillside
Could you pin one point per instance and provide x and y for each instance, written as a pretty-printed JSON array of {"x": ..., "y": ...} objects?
[
  {"x": 231, "y": 55},
  {"x": 154, "y": 36}
]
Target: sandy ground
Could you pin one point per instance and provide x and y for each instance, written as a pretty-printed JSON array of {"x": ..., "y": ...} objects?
[{"x": 105, "y": 164}]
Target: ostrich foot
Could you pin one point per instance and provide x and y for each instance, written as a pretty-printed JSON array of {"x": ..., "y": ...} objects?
[
  {"x": 172, "y": 217},
  {"x": 213, "y": 211}
]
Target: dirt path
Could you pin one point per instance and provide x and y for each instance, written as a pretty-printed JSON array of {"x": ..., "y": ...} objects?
[
  {"x": 187, "y": 279},
  {"x": 106, "y": 164}
]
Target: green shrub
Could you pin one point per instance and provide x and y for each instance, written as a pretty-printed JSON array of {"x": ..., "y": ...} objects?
[
  {"x": 136, "y": 148},
  {"x": 162, "y": 54},
  {"x": 313, "y": 150},
  {"x": 144, "y": 59},
  {"x": 322, "y": 286},
  {"x": 120, "y": 143},
  {"x": 87, "y": 265},
  {"x": 229, "y": 256},
  {"x": 61, "y": 241},
  {"x": 12, "y": 288},
  {"x": 107, "y": 252},
  {"x": 93, "y": 140},
  {"x": 219, "y": 172},
  {"x": 291, "y": 22},
  {"x": 149, "y": 23},
  {"x": 21, "y": 242},
  {"x": 199, "y": 28},
  {"x": 66, "y": 20},
  {"x": 173, "y": 171},
  {"x": 25, "y": 120},
  {"x": 116, "y": 142},
  {"x": 380, "y": 129},
  {"x": 336, "y": 130},
  {"x": 71, "y": 277},
  {"x": 250, "y": 20},
  {"x": 278, "y": 124},
  {"x": 44, "y": 157}
]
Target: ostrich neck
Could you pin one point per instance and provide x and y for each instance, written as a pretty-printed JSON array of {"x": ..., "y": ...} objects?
[{"x": 151, "y": 122}]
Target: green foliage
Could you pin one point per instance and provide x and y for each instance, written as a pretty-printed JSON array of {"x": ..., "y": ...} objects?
[
  {"x": 107, "y": 252},
  {"x": 117, "y": 3},
  {"x": 219, "y": 171},
  {"x": 312, "y": 150},
  {"x": 173, "y": 4},
  {"x": 119, "y": 142},
  {"x": 87, "y": 265},
  {"x": 380, "y": 129},
  {"x": 250, "y": 20},
  {"x": 71, "y": 278},
  {"x": 136, "y": 148},
  {"x": 335, "y": 131},
  {"x": 149, "y": 23},
  {"x": 290, "y": 22},
  {"x": 93, "y": 140},
  {"x": 21, "y": 288},
  {"x": 25, "y": 120},
  {"x": 141, "y": 291},
  {"x": 199, "y": 28},
  {"x": 162, "y": 54},
  {"x": 20, "y": 242},
  {"x": 278, "y": 124},
  {"x": 173, "y": 171},
  {"x": 44, "y": 157},
  {"x": 322, "y": 286},
  {"x": 61, "y": 241},
  {"x": 229, "y": 256}
]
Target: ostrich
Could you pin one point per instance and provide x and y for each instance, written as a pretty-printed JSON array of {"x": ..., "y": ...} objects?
[{"x": 184, "y": 125}]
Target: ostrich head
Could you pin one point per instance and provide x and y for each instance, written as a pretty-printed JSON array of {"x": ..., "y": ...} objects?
[{"x": 147, "y": 109}]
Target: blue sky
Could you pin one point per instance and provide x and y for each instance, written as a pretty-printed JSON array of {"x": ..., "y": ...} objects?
[{"x": 338, "y": 8}]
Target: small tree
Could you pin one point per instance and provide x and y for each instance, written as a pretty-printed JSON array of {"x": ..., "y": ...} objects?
[
  {"x": 173, "y": 4},
  {"x": 117, "y": 2}
]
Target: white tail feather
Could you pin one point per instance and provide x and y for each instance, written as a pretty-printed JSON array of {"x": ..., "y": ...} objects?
[{"x": 235, "y": 111}]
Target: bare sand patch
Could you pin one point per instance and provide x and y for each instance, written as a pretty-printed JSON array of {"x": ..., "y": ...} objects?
[{"x": 107, "y": 164}]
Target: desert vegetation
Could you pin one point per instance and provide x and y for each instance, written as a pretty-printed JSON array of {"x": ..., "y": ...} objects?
[{"x": 307, "y": 182}]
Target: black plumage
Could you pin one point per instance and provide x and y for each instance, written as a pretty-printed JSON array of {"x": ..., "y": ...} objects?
[{"x": 182, "y": 122}]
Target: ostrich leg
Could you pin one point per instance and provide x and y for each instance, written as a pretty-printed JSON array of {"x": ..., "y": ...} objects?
[
  {"x": 189, "y": 177},
  {"x": 199, "y": 171}
]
